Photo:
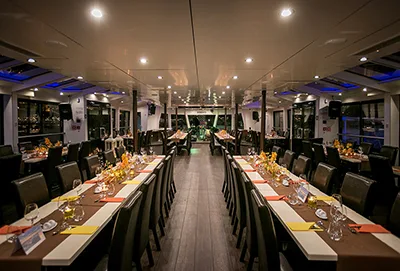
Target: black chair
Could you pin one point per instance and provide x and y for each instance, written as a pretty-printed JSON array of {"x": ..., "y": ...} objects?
[
  {"x": 333, "y": 157},
  {"x": 187, "y": 144},
  {"x": 73, "y": 153},
  {"x": 67, "y": 173},
  {"x": 141, "y": 240},
  {"x": 288, "y": 159},
  {"x": 9, "y": 168},
  {"x": 155, "y": 213},
  {"x": 269, "y": 257},
  {"x": 318, "y": 140},
  {"x": 119, "y": 151},
  {"x": 358, "y": 193},
  {"x": 90, "y": 165},
  {"x": 84, "y": 151},
  {"x": 319, "y": 153},
  {"x": 232, "y": 197},
  {"x": 6, "y": 150},
  {"x": 394, "y": 218},
  {"x": 389, "y": 152},
  {"x": 122, "y": 242},
  {"x": 54, "y": 159},
  {"x": 109, "y": 157},
  {"x": 214, "y": 144},
  {"x": 307, "y": 149},
  {"x": 229, "y": 196},
  {"x": 302, "y": 166},
  {"x": 224, "y": 184},
  {"x": 174, "y": 152},
  {"x": 240, "y": 203},
  {"x": 251, "y": 234},
  {"x": 324, "y": 177},
  {"x": 278, "y": 151},
  {"x": 164, "y": 203},
  {"x": 30, "y": 189},
  {"x": 366, "y": 148}
]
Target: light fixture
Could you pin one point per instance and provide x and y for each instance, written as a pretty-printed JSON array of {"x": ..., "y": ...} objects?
[
  {"x": 249, "y": 60},
  {"x": 364, "y": 89},
  {"x": 235, "y": 77},
  {"x": 275, "y": 92},
  {"x": 286, "y": 12},
  {"x": 104, "y": 94},
  {"x": 169, "y": 87},
  {"x": 223, "y": 92},
  {"x": 228, "y": 87},
  {"x": 143, "y": 60},
  {"x": 123, "y": 92},
  {"x": 61, "y": 93},
  {"x": 96, "y": 13},
  {"x": 220, "y": 97},
  {"x": 31, "y": 60},
  {"x": 179, "y": 97},
  {"x": 122, "y": 102},
  {"x": 316, "y": 76},
  {"x": 79, "y": 77},
  {"x": 159, "y": 77},
  {"x": 95, "y": 93},
  {"x": 363, "y": 59},
  {"x": 280, "y": 101},
  {"x": 340, "y": 94},
  {"x": 174, "y": 92},
  {"x": 35, "y": 89}
]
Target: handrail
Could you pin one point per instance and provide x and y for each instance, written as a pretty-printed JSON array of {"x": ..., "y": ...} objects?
[
  {"x": 28, "y": 136},
  {"x": 362, "y": 136}
]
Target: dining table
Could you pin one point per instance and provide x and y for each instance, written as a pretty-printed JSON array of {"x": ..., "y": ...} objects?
[
  {"x": 176, "y": 137},
  {"x": 225, "y": 137},
  {"x": 36, "y": 157},
  {"x": 354, "y": 251},
  {"x": 60, "y": 250}
]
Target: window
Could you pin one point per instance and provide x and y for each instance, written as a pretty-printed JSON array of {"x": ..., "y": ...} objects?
[
  {"x": 181, "y": 122},
  {"x": 278, "y": 120},
  {"x": 202, "y": 120},
  {"x": 221, "y": 121},
  {"x": 303, "y": 120},
  {"x": 124, "y": 118},
  {"x": 376, "y": 71},
  {"x": 98, "y": 120}
]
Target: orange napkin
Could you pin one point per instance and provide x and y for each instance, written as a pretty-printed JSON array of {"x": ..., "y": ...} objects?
[
  {"x": 145, "y": 171},
  {"x": 259, "y": 181},
  {"x": 396, "y": 169},
  {"x": 160, "y": 157},
  {"x": 13, "y": 229},
  {"x": 112, "y": 200},
  {"x": 275, "y": 198},
  {"x": 250, "y": 170},
  {"x": 91, "y": 181},
  {"x": 369, "y": 228}
]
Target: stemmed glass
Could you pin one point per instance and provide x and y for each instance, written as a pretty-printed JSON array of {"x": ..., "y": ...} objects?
[
  {"x": 67, "y": 211},
  {"x": 360, "y": 150},
  {"x": 77, "y": 185},
  {"x": 249, "y": 152},
  {"x": 253, "y": 151},
  {"x": 98, "y": 172},
  {"x": 151, "y": 151},
  {"x": 142, "y": 151},
  {"x": 31, "y": 212},
  {"x": 338, "y": 214}
]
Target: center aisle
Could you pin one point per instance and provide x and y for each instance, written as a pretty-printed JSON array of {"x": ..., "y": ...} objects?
[{"x": 199, "y": 234}]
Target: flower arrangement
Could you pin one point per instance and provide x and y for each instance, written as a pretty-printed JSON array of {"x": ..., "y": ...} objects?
[
  {"x": 342, "y": 148},
  {"x": 270, "y": 164},
  {"x": 48, "y": 143},
  {"x": 223, "y": 132}
]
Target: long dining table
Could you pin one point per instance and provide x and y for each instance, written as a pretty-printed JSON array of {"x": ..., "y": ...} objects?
[
  {"x": 61, "y": 250},
  {"x": 360, "y": 251}
]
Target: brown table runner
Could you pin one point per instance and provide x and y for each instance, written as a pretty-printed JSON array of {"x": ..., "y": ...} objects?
[
  {"x": 361, "y": 251},
  {"x": 19, "y": 261}
]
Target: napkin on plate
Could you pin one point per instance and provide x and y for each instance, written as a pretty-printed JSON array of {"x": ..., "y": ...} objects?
[
  {"x": 259, "y": 181},
  {"x": 275, "y": 198},
  {"x": 112, "y": 200},
  {"x": 67, "y": 198},
  {"x": 132, "y": 182},
  {"x": 369, "y": 228},
  {"x": 6, "y": 229},
  {"x": 81, "y": 230},
  {"x": 303, "y": 226}
]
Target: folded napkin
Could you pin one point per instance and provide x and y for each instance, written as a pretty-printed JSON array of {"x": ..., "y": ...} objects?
[
  {"x": 91, "y": 181},
  {"x": 243, "y": 163},
  {"x": 303, "y": 226},
  {"x": 112, "y": 200},
  {"x": 159, "y": 157},
  {"x": 250, "y": 170},
  {"x": 259, "y": 181},
  {"x": 64, "y": 198},
  {"x": 275, "y": 198},
  {"x": 152, "y": 163},
  {"x": 238, "y": 157},
  {"x": 132, "y": 182},
  {"x": 324, "y": 198},
  {"x": 369, "y": 228},
  {"x": 6, "y": 229},
  {"x": 81, "y": 230},
  {"x": 145, "y": 171}
]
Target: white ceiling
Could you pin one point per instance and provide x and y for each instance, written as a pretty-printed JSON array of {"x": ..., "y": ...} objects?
[{"x": 200, "y": 44}]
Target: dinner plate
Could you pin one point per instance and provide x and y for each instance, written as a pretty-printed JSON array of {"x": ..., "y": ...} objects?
[
  {"x": 49, "y": 225},
  {"x": 321, "y": 214}
]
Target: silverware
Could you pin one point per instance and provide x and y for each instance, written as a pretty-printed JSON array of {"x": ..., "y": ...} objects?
[
  {"x": 321, "y": 224},
  {"x": 352, "y": 230},
  {"x": 97, "y": 200}
]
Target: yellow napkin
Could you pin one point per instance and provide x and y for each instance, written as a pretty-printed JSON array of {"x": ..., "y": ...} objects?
[
  {"x": 61, "y": 198},
  {"x": 152, "y": 163},
  {"x": 302, "y": 226},
  {"x": 324, "y": 198},
  {"x": 81, "y": 230},
  {"x": 242, "y": 163},
  {"x": 132, "y": 182}
]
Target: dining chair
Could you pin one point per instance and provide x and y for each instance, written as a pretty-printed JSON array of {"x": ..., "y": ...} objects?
[
  {"x": 240, "y": 219},
  {"x": 389, "y": 152},
  {"x": 394, "y": 218},
  {"x": 333, "y": 157},
  {"x": 141, "y": 240},
  {"x": 229, "y": 194},
  {"x": 187, "y": 143},
  {"x": 10, "y": 171},
  {"x": 366, "y": 148},
  {"x": 49, "y": 171},
  {"x": 269, "y": 257},
  {"x": 109, "y": 157},
  {"x": 172, "y": 168},
  {"x": 121, "y": 251},
  {"x": 164, "y": 203},
  {"x": 382, "y": 173},
  {"x": 232, "y": 199},
  {"x": 155, "y": 214},
  {"x": 319, "y": 153},
  {"x": 288, "y": 159},
  {"x": 324, "y": 178},
  {"x": 307, "y": 149},
  {"x": 90, "y": 164},
  {"x": 358, "y": 193},
  {"x": 224, "y": 183},
  {"x": 171, "y": 183},
  {"x": 84, "y": 151},
  {"x": 214, "y": 144},
  {"x": 73, "y": 152},
  {"x": 6, "y": 150},
  {"x": 251, "y": 234},
  {"x": 67, "y": 173},
  {"x": 30, "y": 189},
  {"x": 302, "y": 166},
  {"x": 119, "y": 151}
]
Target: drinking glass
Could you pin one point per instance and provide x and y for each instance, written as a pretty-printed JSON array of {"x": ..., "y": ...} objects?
[
  {"x": 98, "y": 171},
  {"x": 67, "y": 212},
  {"x": 335, "y": 230},
  {"x": 31, "y": 212},
  {"x": 142, "y": 151},
  {"x": 303, "y": 176},
  {"x": 336, "y": 209},
  {"x": 77, "y": 185},
  {"x": 253, "y": 151},
  {"x": 110, "y": 189},
  {"x": 284, "y": 166},
  {"x": 293, "y": 198},
  {"x": 248, "y": 151},
  {"x": 77, "y": 210},
  {"x": 360, "y": 150},
  {"x": 151, "y": 151}
]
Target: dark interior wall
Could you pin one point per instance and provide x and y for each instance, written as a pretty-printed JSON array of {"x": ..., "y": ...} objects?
[{"x": 1, "y": 119}]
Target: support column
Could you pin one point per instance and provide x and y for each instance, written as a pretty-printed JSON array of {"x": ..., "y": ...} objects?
[
  {"x": 263, "y": 107},
  {"x": 225, "y": 118},
  {"x": 165, "y": 129},
  {"x": 134, "y": 117},
  {"x": 176, "y": 119},
  {"x": 236, "y": 127}
]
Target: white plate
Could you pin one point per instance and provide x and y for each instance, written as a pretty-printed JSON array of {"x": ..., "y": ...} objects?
[
  {"x": 321, "y": 214},
  {"x": 285, "y": 182},
  {"x": 49, "y": 225},
  {"x": 97, "y": 190}
]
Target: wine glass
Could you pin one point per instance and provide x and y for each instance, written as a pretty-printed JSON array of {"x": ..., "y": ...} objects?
[
  {"x": 31, "y": 212},
  {"x": 110, "y": 189},
  {"x": 142, "y": 151},
  {"x": 360, "y": 150},
  {"x": 253, "y": 151},
  {"x": 151, "y": 151},
  {"x": 98, "y": 171},
  {"x": 78, "y": 211},
  {"x": 336, "y": 209},
  {"x": 77, "y": 185},
  {"x": 248, "y": 151},
  {"x": 67, "y": 212}
]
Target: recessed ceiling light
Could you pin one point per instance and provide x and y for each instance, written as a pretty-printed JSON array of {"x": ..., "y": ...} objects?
[
  {"x": 123, "y": 92},
  {"x": 364, "y": 89},
  {"x": 31, "y": 60},
  {"x": 143, "y": 60},
  {"x": 179, "y": 97},
  {"x": 174, "y": 92},
  {"x": 61, "y": 93},
  {"x": 79, "y": 77},
  {"x": 275, "y": 92},
  {"x": 95, "y": 93},
  {"x": 249, "y": 60},
  {"x": 169, "y": 87},
  {"x": 363, "y": 59},
  {"x": 96, "y": 13},
  {"x": 219, "y": 97},
  {"x": 104, "y": 94},
  {"x": 122, "y": 102},
  {"x": 159, "y": 77},
  {"x": 286, "y": 12},
  {"x": 228, "y": 87},
  {"x": 280, "y": 101},
  {"x": 35, "y": 89},
  {"x": 340, "y": 94},
  {"x": 316, "y": 76},
  {"x": 235, "y": 77},
  {"x": 223, "y": 92}
]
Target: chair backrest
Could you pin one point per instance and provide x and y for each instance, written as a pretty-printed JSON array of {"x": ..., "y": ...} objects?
[
  {"x": 119, "y": 151},
  {"x": 6, "y": 150},
  {"x": 268, "y": 253},
  {"x": 307, "y": 149},
  {"x": 319, "y": 153},
  {"x": 318, "y": 140},
  {"x": 148, "y": 138},
  {"x": 382, "y": 172},
  {"x": 394, "y": 218},
  {"x": 212, "y": 142},
  {"x": 164, "y": 184},
  {"x": 30, "y": 189},
  {"x": 9, "y": 168},
  {"x": 121, "y": 248},
  {"x": 67, "y": 173},
  {"x": 278, "y": 151},
  {"x": 366, "y": 147},
  {"x": 90, "y": 165},
  {"x": 302, "y": 166},
  {"x": 288, "y": 159},
  {"x": 109, "y": 157},
  {"x": 324, "y": 177},
  {"x": 231, "y": 178},
  {"x": 239, "y": 194},
  {"x": 142, "y": 233},
  {"x": 172, "y": 152},
  {"x": 389, "y": 152},
  {"x": 155, "y": 205},
  {"x": 358, "y": 193},
  {"x": 333, "y": 157},
  {"x": 54, "y": 159},
  {"x": 73, "y": 152}
]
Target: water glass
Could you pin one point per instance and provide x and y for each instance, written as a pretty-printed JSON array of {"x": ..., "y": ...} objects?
[
  {"x": 293, "y": 198},
  {"x": 337, "y": 210},
  {"x": 110, "y": 189},
  {"x": 78, "y": 212},
  {"x": 62, "y": 207},
  {"x": 77, "y": 185},
  {"x": 151, "y": 151},
  {"x": 98, "y": 171},
  {"x": 335, "y": 230},
  {"x": 248, "y": 151},
  {"x": 31, "y": 212}
]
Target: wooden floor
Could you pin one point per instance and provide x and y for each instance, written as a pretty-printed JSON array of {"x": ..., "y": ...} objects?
[{"x": 198, "y": 232}]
